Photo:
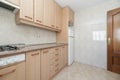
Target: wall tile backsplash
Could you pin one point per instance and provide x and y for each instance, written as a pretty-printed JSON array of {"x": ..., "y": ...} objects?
[{"x": 10, "y": 33}]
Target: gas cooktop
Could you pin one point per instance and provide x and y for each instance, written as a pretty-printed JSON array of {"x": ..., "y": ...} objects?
[{"x": 11, "y": 47}]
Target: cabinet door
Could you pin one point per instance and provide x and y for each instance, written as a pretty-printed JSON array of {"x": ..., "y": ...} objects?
[
  {"x": 49, "y": 13},
  {"x": 45, "y": 65},
  {"x": 61, "y": 58},
  {"x": 16, "y": 2},
  {"x": 66, "y": 55},
  {"x": 16, "y": 72},
  {"x": 33, "y": 65},
  {"x": 26, "y": 10},
  {"x": 38, "y": 11},
  {"x": 58, "y": 19}
]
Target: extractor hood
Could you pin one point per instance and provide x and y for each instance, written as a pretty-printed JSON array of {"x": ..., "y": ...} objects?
[{"x": 8, "y": 5}]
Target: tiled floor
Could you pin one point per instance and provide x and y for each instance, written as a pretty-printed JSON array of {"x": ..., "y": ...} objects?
[{"x": 85, "y": 72}]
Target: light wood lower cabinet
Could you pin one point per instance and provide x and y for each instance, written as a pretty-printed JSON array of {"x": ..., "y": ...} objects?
[
  {"x": 45, "y": 65},
  {"x": 65, "y": 55},
  {"x": 33, "y": 65},
  {"x": 40, "y": 65},
  {"x": 16, "y": 72}
]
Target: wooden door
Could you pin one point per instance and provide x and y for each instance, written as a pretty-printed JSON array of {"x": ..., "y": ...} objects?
[
  {"x": 114, "y": 40},
  {"x": 33, "y": 65},
  {"x": 64, "y": 56},
  {"x": 49, "y": 13},
  {"x": 58, "y": 16},
  {"x": 26, "y": 10},
  {"x": 45, "y": 66},
  {"x": 16, "y": 72},
  {"x": 15, "y": 2},
  {"x": 38, "y": 11}
]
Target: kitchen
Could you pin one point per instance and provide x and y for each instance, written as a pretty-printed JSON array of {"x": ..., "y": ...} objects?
[{"x": 50, "y": 40}]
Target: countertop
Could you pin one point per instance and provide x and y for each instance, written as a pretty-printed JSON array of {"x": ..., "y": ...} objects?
[{"x": 32, "y": 47}]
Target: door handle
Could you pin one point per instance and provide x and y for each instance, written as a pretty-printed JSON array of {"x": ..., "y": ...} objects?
[{"x": 109, "y": 41}]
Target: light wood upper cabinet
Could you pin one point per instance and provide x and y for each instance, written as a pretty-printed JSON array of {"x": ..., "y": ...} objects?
[
  {"x": 15, "y": 2},
  {"x": 45, "y": 65},
  {"x": 33, "y": 65},
  {"x": 26, "y": 10},
  {"x": 58, "y": 16},
  {"x": 16, "y": 72},
  {"x": 49, "y": 13},
  {"x": 38, "y": 11}
]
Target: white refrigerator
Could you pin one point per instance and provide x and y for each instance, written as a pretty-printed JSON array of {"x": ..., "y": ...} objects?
[{"x": 71, "y": 46}]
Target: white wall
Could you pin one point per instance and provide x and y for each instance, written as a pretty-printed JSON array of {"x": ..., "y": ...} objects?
[
  {"x": 88, "y": 20},
  {"x": 11, "y": 33}
]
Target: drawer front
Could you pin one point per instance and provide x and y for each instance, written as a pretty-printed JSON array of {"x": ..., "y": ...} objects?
[
  {"x": 52, "y": 55},
  {"x": 8, "y": 73},
  {"x": 52, "y": 62},
  {"x": 16, "y": 72}
]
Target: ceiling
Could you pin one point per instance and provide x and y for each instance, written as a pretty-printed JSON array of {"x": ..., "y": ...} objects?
[{"x": 77, "y": 5}]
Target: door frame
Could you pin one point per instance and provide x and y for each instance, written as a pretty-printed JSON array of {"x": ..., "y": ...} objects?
[{"x": 110, "y": 14}]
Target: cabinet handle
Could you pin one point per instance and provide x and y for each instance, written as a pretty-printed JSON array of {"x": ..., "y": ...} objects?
[
  {"x": 56, "y": 65},
  {"x": 45, "y": 51},
  {"x": 12, "y": 71},
  {"x": 56, "y": 60},
  {"x": 57, "y": 27},
  {"x": 56, "y": 54},
  {"x": 109, "y": 41},
  {"x": 39, "y": 21},
  {"x": 63, "y": 47},
  {"x": 28, "y": 17},
  {"x": 56, "y": 70},
  {"x": 57, "y": 49},
  {"x": 35, "y": 54},
  {"x": 52, "y": 25}
]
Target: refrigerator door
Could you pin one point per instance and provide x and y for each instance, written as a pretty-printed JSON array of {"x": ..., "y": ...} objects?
[{"x": 71, "y": 51}]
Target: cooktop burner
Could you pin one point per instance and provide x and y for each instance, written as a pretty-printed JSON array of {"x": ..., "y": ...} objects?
[
  {"x": 11, "y": 47},
  {"x": 8, "y": 48}
]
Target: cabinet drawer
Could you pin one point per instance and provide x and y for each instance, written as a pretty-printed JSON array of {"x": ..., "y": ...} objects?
[
  {"x": 52, "y": 55},
  {"x": 52, "y": 62},
  {"x": 10, "y": 71},
  {"x": 16, "y": 72},
  {"x": 57, "y": 70},
  {"x": 52, "y": 72}
]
